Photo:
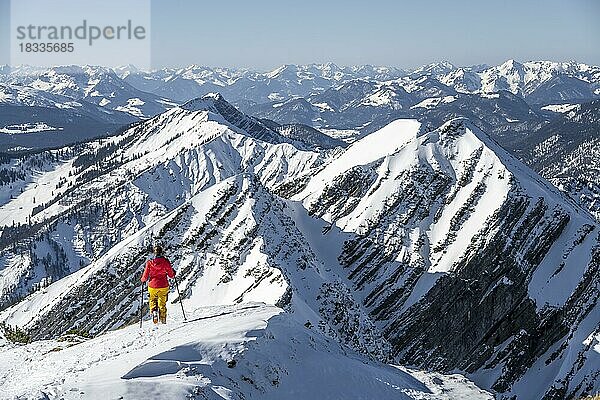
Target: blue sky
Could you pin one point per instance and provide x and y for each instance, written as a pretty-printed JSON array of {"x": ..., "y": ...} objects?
[{"x": 265, "y": 33}]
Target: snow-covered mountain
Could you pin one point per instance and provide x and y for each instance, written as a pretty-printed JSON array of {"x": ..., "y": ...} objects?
[
  {"x": 305, "y": 134},
  {"x": 96, "y": 85},
  {"x": 245, "y": 87},
  {"x": 182, "y": 84},
  {"x": 32, "y": 118},
  {"x": 463, "y": 80},
  {"x": 434, "y": 85},
  {"x": 527, "y": 78},
  {"x": 565, "y": 151},
  {"x": 366, "y": 106},
  {"x": 194, "y": 146},
  {"x": 511, "y": 102},
  {"x": 72, "y": 103},
  {"x": 422, "y": 245},
  {"x": 361, "y": 98},
  {"x": 538, "y": 82},
  {"x": 465, "y": 258},
  {"x": 198, "y": 183},
  {"x": 100, "y": 86}
]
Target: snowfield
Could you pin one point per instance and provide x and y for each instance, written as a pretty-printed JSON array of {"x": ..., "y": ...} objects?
[
  {"x": 28, "y": 128},
  {"x": 250, "y": 351},
  {"x": 560, "y": 108}
]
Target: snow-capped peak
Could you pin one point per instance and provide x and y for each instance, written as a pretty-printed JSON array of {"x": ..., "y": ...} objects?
[
  {"x": 216, "y": 103},
  {"x": 286, "y": 69},
  {"x": 510, "y": 64},
  {"x": 208, "y": 102}
]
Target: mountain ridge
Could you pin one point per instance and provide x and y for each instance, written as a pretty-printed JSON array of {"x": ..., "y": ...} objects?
[{"x": 428, "y": 246}]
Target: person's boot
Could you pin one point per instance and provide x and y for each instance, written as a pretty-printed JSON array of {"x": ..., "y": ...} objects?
[
  {"x": 155, "y": 316},
  {"x": 163, "y": 317}
]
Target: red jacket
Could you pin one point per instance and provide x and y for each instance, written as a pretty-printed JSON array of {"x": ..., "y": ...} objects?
[{"x": 157, "y": 270}]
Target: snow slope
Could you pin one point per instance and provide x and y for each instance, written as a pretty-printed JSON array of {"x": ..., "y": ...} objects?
[
  {"x": 190, "y": 148},
  {"x": 440, "y": 220},
  {"x": 295, "y": 355},
  {"x": 223, "y": 352}
]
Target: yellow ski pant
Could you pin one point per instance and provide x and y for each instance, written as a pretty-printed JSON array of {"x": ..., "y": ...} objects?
[{"x": 158, "y": 300}]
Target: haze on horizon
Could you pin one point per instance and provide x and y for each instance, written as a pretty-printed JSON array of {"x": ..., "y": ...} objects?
[{"x": 265, "y": 34}]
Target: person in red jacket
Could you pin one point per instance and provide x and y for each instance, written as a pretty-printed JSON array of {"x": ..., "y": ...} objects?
[{"x": 156, "y": 272}]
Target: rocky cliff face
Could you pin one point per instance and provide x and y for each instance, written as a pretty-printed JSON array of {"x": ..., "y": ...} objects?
[{"x": 465, "y": 259}]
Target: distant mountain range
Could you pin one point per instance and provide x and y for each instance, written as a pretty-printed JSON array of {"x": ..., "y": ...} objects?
[
  {"x": 362, "y": 98},
  {"x": 73, "y": 103},
  {"x": 520, "y": 105},
  {"x": 536, "y": 81}
]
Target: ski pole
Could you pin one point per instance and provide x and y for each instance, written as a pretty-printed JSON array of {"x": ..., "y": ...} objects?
[
  {"x": 141, "y": 303},
  {"x": 180, "y": 298}
]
